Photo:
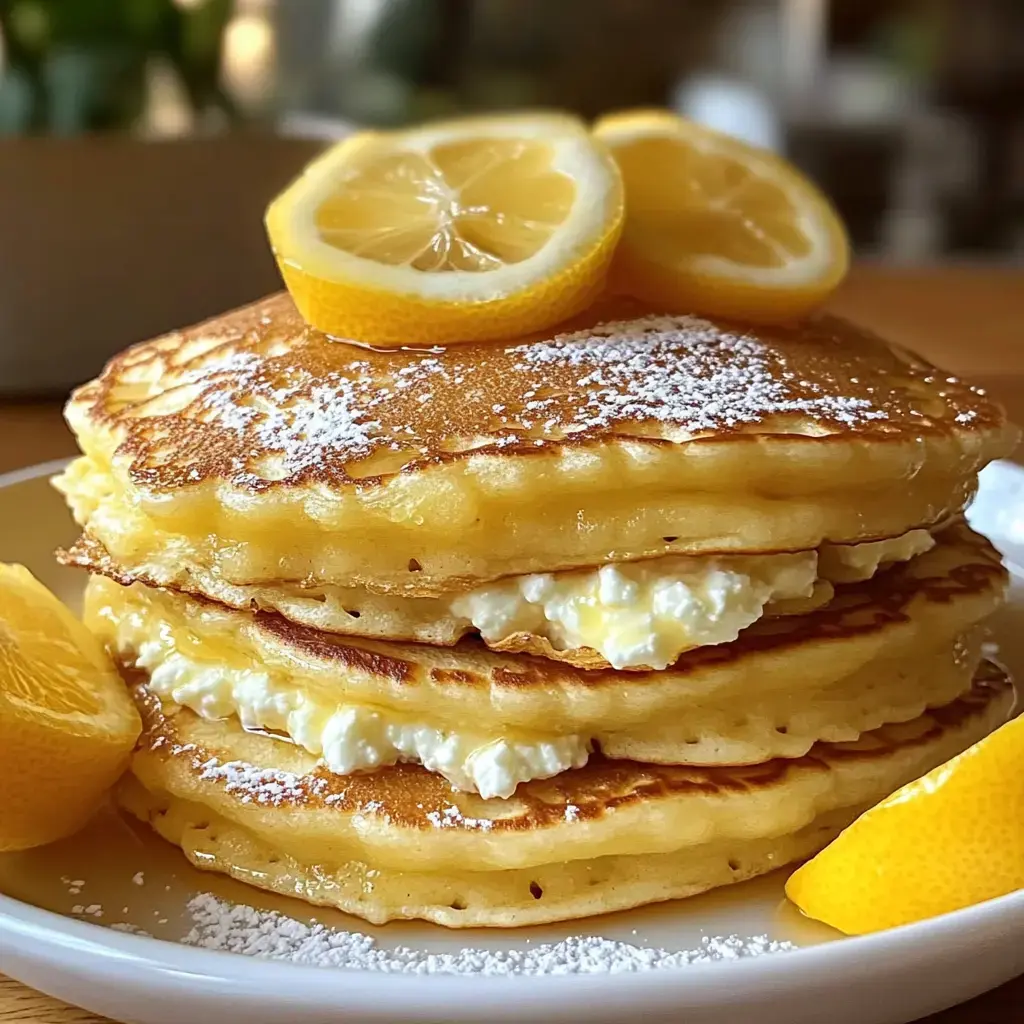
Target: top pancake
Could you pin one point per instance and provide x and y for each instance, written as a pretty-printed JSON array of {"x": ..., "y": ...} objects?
[{"x": 260, "y": 448}]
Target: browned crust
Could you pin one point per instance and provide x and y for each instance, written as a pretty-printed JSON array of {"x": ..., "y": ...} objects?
[{"x": 479, "y": 399}]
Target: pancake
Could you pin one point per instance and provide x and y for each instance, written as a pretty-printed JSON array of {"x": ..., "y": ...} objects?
[
  {"x": 714, "y": 615},
  {"x": 355, "y": 611},
  {"x": 401, "y": 843},
  {"x": 779, "y": 724},
  {"x": 882, "y": 651},
  {"x": 254, "y": 449},
  {"x": 502, "y": 899},
  {"x": 515, "y": 632}
]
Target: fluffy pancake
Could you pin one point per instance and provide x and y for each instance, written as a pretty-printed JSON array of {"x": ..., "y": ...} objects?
[
  {"x": 710, "y": 601},
  {"x": 349, "y": 612},
  {"x": 779, "y": 724},
  {"x": 253, "y": 448},
  {"x": 620, "y": 609},
  {"x": 352, "y": 736},
  {"x": 497, "y": 899},
  {"x": 643, "y": 832},
  {"x": 738, "y": 729},
  {"x": 894, "y": 620}
]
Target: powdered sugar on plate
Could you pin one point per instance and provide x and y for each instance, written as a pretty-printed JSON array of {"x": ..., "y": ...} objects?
[
  {"x": 236, "y": 928},
  {"x": 129, "y": 929}
]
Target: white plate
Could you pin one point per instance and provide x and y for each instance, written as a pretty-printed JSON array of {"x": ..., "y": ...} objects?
[{"x": 890, "y": 978}]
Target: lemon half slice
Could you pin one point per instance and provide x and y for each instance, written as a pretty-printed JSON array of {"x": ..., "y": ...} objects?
[
  {"x": 716, "y": 226},
  {"x": 67, "y": 723},
  {"x": 461, "y": 230},
  {"x": 953, "y": 838}
]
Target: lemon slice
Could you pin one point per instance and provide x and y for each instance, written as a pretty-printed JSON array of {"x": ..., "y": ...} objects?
[
  {"x": 462, "y": 230},
  {"x": 949, "y": 840},
  {"x": 67, "y": 723},
  {"x": 716, "y": 226}
]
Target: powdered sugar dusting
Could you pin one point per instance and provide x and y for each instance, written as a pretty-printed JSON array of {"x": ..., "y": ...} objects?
[
  {"x": 274, "y": 787},
  {"x": 258, "y": 398},
  {"x": 300, "y": 422},
  {"x": 452, "y": 817},
  {"x": 129, "y": 929},
  {"x": 688, "y": 372},
  {"x": 260, "y": 785},
  {"x": 678, "y": 370},
  {"x": 236, "y": 928}
]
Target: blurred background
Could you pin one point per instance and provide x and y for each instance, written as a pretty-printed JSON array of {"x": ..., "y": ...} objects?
[{"x": 140, "y": 139}]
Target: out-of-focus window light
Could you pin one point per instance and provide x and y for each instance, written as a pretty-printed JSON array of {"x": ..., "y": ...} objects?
[
  {"x": 353, "y": 23},
  {"x": 803, "y": 46},
  {"x": 736, "y": 108},
  {"x": 167, "y": 113},
  {"x": 248, "y": 54}
]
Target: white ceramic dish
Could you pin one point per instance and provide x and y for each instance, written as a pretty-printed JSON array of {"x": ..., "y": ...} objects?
[{"x": 890, "y": 978}]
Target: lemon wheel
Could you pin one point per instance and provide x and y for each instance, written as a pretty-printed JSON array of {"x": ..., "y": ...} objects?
[
  {"x": 717, "y": 226},
  {"x": 461, "y": 230}
]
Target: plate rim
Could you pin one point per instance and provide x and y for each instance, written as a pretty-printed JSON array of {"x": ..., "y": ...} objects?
[
  {"x": 22, "y": 474},
  {"x": 166, "y": 963},
  {"x": 262, "y": 977}
]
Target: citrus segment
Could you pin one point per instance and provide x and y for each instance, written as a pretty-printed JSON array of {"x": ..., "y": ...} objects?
[
  {"x": 717, "y": 226},
  {"x": 463, "y": 230},
  {"x": 67, "y": 724},
  {"x": 951, "y": 839}
]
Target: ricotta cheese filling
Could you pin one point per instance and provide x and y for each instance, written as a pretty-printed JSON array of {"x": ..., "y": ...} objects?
[
  {"x": 634, "y": 614},
  {"x": 348, "y": 737},
  {"x": 648, "y": 613}
]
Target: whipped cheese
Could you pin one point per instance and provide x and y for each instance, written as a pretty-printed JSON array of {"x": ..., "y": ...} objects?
[
  {"x": 648, "y": 613},
  {"x": 349, "y": 737},
  {"x": 634, "y": 614},
  {"x": 641, "y": 613}
]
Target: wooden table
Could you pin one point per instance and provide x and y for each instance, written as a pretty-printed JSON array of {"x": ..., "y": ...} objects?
[{"x": 969, "y": 320}]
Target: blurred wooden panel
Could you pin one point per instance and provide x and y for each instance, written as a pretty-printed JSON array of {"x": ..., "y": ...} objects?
[
  {"x": 967, "y": 319},
  {"x": 31, "y": 433},
  {"x": 106, "y": 241}
]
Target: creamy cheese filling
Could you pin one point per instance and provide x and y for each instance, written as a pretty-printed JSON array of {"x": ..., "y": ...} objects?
[
  {"x": 642, "y": 613},
  {"x": 348, "y": 737},
  {"x": 648, "y": 613}
]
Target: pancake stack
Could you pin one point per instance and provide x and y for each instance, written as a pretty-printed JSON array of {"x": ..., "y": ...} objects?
[{"x": 511, "y": 633}]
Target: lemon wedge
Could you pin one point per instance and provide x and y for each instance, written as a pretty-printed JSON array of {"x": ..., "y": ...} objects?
[
  {"x": 469, "y": 229},
  {"x": 67, "y": 723},
  {"x": 949, "y": 840},
  {"x": 717, "y": 226}
]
